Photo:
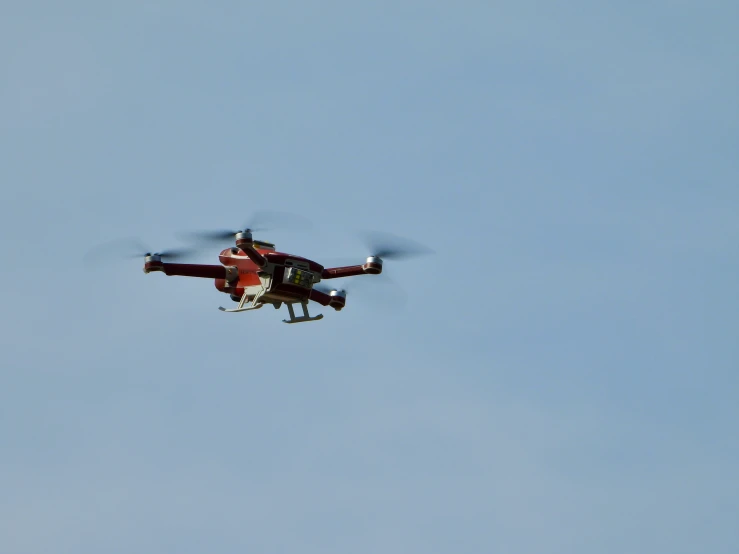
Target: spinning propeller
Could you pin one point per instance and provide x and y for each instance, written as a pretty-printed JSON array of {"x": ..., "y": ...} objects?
[
  {"x": 259, "y": 222},
  {"x": 391, "y": 247},
  {"x": 385, "y": 246},
  {"x": 168, "y": 254},
  {"x": 380, "y": 290},
  {"x": 134, "y": 248}
]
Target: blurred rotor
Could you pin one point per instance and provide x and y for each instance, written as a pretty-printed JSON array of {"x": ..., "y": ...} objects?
[
  {"x": 259, "y": 222},
  {"x": 378, "y": 289},
  {"x": 132, "y": 247},
  {"x": 392, "y": 247}
]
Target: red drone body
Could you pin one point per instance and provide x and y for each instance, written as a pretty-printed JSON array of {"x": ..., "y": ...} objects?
[{"x": 254, "y": 274}]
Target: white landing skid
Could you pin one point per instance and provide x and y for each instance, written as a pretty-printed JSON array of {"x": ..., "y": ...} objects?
[
  {"x": 255, "y": 304},
  {"x": 302, "y": 318}
]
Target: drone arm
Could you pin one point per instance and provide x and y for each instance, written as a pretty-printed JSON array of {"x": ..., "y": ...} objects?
[
  {"x": 320, "y": 297},
  {"x": 246, "y": 243},
  {"x": 195, "y": 270},
  {"x": 254, "y": 256},
  {"x": 337, "y": 300},
  {"x": 346, "y": 271},
  {"x": 372, "y": 266}
]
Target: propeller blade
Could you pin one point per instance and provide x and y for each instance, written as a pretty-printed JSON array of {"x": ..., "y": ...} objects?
[
  {"x": 219, "y": 235},
  {"x": 380, "y": 289},
  {"x": 392, "y": 247},
  {"x": 176, "y": 254},
  {"x": 129, "y": 248},
  {"x": 259, "y": 222},
  {"x": 215, "y": 235},
  {"x": 266, "y": 220}
]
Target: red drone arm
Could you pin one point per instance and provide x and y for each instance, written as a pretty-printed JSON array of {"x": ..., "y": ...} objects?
[
  {"x": 320, "y": 297},
  {"x": 254, "y": 256},
  {"x": 372, "y": 266},
  {"x": 346, "y": 271},
  {"x": 336, "y": 299},
  {"x": 245, "y": 242},
  {"x": 195, "y": 270}
]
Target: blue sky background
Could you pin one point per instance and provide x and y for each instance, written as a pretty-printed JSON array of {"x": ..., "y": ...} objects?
[{"x": 563, "y": 375}]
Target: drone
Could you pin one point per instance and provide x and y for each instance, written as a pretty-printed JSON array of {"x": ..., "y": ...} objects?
[{"x": 254, "y": 274}]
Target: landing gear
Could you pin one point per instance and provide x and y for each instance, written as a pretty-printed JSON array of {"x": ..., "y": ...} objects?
[
  {"x": 255, "y": 303},
  {"x": 302, "y": 318}
]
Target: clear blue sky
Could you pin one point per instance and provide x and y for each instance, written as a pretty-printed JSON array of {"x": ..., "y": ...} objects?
[{"x": 563, "y": 375}]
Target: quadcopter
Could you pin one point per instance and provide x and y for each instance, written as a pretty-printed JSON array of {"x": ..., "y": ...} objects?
[{"x": 253, "y": 273}]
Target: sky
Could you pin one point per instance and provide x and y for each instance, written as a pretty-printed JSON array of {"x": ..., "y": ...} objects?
[{"x": 561, "y": 375}]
